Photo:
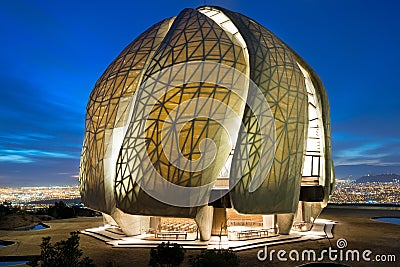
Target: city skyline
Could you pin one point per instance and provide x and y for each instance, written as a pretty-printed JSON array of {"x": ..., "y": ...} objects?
[
  {"x": 56, "y": 52},
  {"x": 345, "y": 192}
]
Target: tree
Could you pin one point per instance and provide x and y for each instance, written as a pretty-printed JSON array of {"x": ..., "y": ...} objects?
[
  {"x": 65, "y": 253},
  {"x": 3, "y": 211},
  {"x": 167, "y": 254},
  {"x": 219, "y": 258},
  {"x": 61, "y": 211}
]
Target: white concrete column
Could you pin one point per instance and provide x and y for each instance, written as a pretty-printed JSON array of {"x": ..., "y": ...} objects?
[
  {"x": 268, "y": 221},
  {"x": 204, "y": 219},
  {"x": 108, "y": 220},
  {"x": 311, "y": 211},
  {"x": 299, "y": 213},
  {"x": 154, "y": 222},
  {"x": 285, "y": 222},
  {"x": 219, "y": 226},
  {"x": 130, "y": 224}
]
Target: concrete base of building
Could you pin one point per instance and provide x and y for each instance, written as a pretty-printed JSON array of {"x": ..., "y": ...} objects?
[{"x": 114, "y": 237}]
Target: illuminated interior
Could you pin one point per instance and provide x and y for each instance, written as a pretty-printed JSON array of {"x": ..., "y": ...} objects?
[{"x": 314, "y": 162}]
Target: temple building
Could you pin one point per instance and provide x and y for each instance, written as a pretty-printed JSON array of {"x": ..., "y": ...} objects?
[{"x": 207, "y": 122}]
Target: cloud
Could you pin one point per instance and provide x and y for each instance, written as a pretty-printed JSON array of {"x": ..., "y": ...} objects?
[
  {"x": 15, "y": 158},
  {"x": 19, "y": 139},
  {"x": 30, "y": 155},
  {"x": 361, "y": 149},
  {"x": 42, "y": 172},
  {"x": 371, "y": 162}
]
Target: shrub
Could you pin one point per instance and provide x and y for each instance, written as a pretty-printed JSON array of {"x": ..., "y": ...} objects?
[
  {"x": 61, "y": 211},
  {"x": 167, "y": 254},
  {"x": 65, "y": 253},
  {"x": 220, "y": 258}
]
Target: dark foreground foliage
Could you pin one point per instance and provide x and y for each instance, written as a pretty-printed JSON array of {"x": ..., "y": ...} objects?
[
  {"x": 167, "y": 254},
  {"x": 220, "y": 258},
  {"x": 65, "y": 253}
]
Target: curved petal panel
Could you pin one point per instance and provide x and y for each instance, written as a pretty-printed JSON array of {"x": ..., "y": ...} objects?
[
  {"x": 189, "y": 104},
  {"x": 274, "y": 70},
  {"x": 107, "y": 117}
]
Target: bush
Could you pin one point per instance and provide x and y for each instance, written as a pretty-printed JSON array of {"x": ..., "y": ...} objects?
[
  {"x": 167, "y": 254},
  {"x": 65, "y": 253},
  {"x": 4, "y": 210},
  {"x": 61, "y": 211},
  {"x": 220, "y": 258}
]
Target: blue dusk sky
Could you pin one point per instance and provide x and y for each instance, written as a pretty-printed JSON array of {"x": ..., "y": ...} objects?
[{"x": 52, "y": 53}]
